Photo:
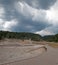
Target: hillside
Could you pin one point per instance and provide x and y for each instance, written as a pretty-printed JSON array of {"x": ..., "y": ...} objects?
[
  {"x": 27, "y": 35},
  {"x": 19, "y": 35},
  {"x": 51, "y": 38}
]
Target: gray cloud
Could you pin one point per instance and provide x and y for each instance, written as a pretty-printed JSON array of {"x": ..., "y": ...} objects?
[
  {"x": 45, "y": 4},
  {"x": 28, "y": 18},
  {"x": 53, "y": 29},
  {"x": 40, "y": 4},
  {"x": 30, "y": 26}
]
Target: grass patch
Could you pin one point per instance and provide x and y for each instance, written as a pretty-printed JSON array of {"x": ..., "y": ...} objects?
[{"x": 55, "y": 45}]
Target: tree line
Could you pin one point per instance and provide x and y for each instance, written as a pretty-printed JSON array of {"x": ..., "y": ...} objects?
[
  {"x": 19, "y": 35},
  {"x": 27, "y": 35},
  {"x": 51, "y": 38}
]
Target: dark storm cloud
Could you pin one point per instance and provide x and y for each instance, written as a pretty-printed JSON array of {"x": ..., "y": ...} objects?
[
  {"x": 53, "y": 29},
  {"x": 45, "y": 4},
  {"x": 41, "y": 4},
  {"x": 8, "y": 6},
  {"x": 25, "y": 23},
  {"x": 28, "y": 25}
]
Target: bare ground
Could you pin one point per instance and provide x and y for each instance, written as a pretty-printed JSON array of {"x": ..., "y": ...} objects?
[
  {"x": 48, "y": 58},
  {"x": 12, "y": 51},
  {"x": 17, "y": 52}
]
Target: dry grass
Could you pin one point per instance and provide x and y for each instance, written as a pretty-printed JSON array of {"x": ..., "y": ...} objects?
[{"x": 54, "y": 45}]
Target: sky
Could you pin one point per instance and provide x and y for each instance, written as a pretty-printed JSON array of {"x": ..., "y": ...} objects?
[{"x": 35, "y": 16}]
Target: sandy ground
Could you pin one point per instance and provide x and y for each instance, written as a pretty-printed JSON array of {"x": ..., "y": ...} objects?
[
  {"x": 48, "y": 58},
  {"x": 11, "y": 52}
]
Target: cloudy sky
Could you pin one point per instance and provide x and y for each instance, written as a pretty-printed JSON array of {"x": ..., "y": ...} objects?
[{"x": 36, "y": 16}]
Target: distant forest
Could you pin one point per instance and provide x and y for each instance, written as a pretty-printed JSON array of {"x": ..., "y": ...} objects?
[
  {"x": 27, "y": 35},
  {"x": 51, "y": 38},
  {"x": 19, "y": 35}
]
